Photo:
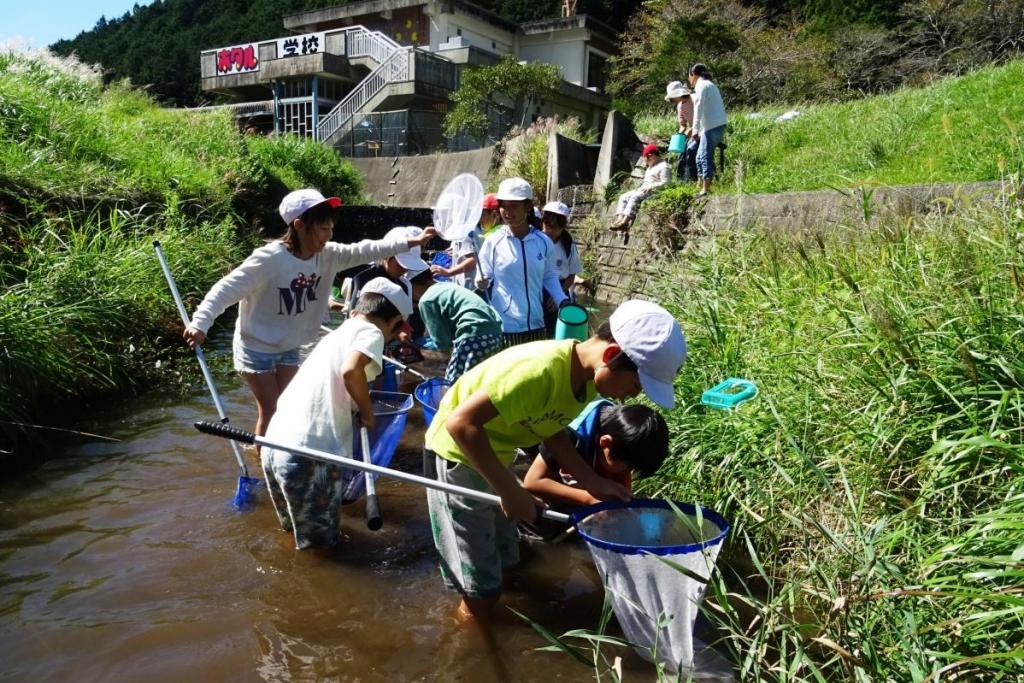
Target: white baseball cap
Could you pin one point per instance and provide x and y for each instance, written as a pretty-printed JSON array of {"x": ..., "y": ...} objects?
[
  {"x": 299, "y": 202},
  {"x": 676, "y": 89},
  {"x": 410, "y": 260},
  {"x": 514, "y": 190},
  {"x": 652, "y": 339},
  {"x": 390, "y": 291},
  {"x": 557, "y": 207}
]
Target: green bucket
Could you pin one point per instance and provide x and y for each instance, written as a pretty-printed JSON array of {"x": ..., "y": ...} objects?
[{"x": 572, "y": 323}]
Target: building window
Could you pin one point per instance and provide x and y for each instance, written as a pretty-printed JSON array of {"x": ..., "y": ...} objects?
[{"x": 597, "y": 71}]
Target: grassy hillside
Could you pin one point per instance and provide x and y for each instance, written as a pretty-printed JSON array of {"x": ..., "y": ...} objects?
[
  {"x": 874, "y": 485},
  {"x": 89, "y": 176},
  {"x": 958, "y": 129}
]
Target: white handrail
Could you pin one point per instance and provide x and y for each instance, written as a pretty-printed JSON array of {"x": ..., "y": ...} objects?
[{"x": 395, "y": 68}]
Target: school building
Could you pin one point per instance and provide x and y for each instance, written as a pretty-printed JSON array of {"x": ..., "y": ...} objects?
[{"x": 372, "y": 78}]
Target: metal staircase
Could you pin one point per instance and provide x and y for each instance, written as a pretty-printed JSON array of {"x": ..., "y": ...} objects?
[{"x": 394, "y": 65}]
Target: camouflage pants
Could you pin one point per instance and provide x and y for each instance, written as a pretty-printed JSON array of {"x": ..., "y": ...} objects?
[{"x": 307, "y": 496}]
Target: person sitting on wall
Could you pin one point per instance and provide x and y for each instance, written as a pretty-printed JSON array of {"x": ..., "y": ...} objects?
[{"x": 655, "y": 177}]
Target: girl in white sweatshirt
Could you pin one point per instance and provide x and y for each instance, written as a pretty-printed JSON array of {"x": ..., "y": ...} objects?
[{"x": 282, "y": 292}]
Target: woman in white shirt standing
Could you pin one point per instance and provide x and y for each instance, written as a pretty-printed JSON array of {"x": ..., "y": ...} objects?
[
  {"x": 518, "y": 263},
  {"x": 554, "y": 219},
  {"x": 708, "y": 123}
]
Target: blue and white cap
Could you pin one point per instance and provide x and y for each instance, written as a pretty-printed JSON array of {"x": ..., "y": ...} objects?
[{"x": 652, "y": 339}]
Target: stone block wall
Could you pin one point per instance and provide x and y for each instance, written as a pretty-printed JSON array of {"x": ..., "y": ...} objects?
[
  {"x": 795, "y": 211},
  {"x": 625, "y": 267}
]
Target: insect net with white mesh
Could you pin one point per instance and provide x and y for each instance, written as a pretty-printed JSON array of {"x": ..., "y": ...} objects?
[
  {"x": 459, "y": 207},
  {"x": 634, "y": 546}
]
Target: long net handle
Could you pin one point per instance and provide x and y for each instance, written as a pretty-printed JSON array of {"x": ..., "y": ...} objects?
[
  {"x": 200, "y": 356},
  {"x": 374, "y": 520},
  {"x": 230, "y": 432}
]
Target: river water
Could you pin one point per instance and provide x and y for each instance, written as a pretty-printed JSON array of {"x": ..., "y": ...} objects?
[{"x": 125, "y": 561}]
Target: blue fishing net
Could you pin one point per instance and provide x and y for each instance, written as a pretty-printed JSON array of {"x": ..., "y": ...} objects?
[
  {"x": 428, "y": 395},
  {"x": 390, "y": 411},
  {"x": 639, "y": 549},
  {"x": 246, "y": 492},
  {"x": 443, "y": 259}
]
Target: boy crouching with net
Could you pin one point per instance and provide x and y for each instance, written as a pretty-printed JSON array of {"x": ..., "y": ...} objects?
[
  {"x": 519, "y": 397},
  {"x": 616, "y": 441}
]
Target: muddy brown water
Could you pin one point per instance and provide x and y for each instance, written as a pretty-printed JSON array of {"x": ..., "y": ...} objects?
[{"x": 125, "y": 561}]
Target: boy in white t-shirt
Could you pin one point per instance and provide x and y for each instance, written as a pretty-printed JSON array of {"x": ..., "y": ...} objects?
[{"x": 315, "y": 411}]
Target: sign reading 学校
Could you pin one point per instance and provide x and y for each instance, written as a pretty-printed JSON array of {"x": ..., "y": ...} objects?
[{"x": 306, "y": 44}]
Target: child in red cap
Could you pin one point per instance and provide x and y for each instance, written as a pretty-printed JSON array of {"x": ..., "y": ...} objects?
[{"x": 655, "y": 177}]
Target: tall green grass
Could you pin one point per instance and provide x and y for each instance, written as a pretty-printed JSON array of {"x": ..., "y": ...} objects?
[
  {"x": 89, "y": 176},
  {"x": 875, "y": 485},
  {"x": 962, "y": 129}
]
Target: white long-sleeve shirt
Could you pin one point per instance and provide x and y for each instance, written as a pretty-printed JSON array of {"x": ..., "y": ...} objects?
[
  {"x": 519, "y": 269},
  {"x": 654, "y": 177},
  {"x": 282, "y": 299},
  {"x": 708, "y": 108}
]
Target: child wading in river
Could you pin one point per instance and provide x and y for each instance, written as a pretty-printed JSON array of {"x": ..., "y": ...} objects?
[
  {"x": 519, "y": 397},
  {"x": 282, "y": 292},
  {"x": 316, "y": 411}
]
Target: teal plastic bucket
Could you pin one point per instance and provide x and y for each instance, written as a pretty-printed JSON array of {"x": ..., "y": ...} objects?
[
  {"x": 677, "y": 143},
  {"x": 572, "y": 323}
]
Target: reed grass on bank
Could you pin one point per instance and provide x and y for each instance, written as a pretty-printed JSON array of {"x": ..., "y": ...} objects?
[
  {"x": 874, "y": 487},
  {"x": 89, "y": 176}
]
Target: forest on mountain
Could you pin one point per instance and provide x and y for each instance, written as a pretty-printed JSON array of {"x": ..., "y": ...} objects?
[{"x": 765, "y": 51}]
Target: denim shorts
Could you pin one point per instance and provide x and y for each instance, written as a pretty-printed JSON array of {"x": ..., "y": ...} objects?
[{"x": 257, "y": 362}]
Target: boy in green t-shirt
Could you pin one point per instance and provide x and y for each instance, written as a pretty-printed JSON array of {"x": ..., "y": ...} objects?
[
  {"x": 457, "y": 319},
  {"x": 521, "y": 396}
]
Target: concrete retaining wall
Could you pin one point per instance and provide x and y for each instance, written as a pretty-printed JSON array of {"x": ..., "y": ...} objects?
[
  {"x": 570, "y": 163},
  {"x": 794, "y": 211},
  {"x": 628, "y": 269},
  {"x": 417, "y": 181}
]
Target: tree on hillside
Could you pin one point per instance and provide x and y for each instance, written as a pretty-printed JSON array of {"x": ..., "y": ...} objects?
[{"x": 507, "y": 84}]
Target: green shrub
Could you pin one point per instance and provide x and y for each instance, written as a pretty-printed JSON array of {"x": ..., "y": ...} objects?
[{"x": 298, "y": 162}]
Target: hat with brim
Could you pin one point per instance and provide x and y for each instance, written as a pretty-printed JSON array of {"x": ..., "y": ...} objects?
[
  {"x": 557, "y": 207},
  {"x": 653, "y": 340},
  {"x": 514, "y": 190},
  {"x": 409, "y": 259},
  {"x": 676, "y": 89},
  {"x": 390, "y": 291},
  {"x": 299, "y": 202}
]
